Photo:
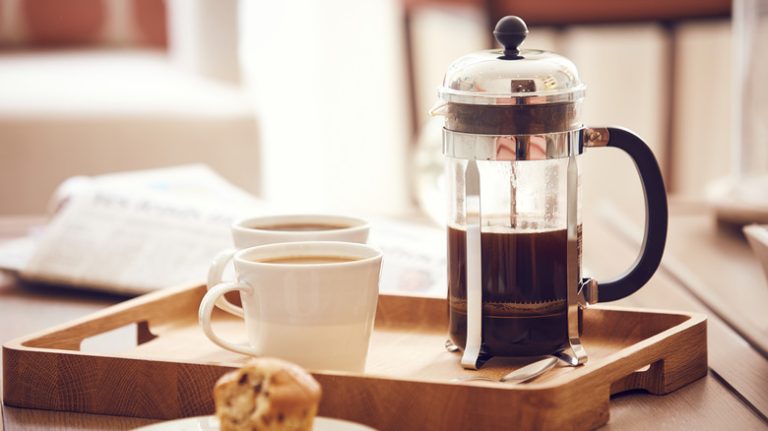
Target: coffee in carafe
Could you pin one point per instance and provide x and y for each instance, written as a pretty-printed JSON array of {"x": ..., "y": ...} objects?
[
  {"x": 524, "y": 290},
  {"x": 513, "y": 138}
]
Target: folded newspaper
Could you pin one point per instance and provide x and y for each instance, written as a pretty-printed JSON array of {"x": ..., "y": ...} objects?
[{"x": 135, "y": 232}]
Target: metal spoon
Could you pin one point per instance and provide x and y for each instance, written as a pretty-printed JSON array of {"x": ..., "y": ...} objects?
[
  {"x": 449, "y": 346},
  {"x": 530, "y": 371},
  {"x": 520, "y": 375},
  {"x": 526, "y": 373}
]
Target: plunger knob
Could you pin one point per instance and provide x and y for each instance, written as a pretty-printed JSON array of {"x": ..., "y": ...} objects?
[{"x": 511, "y": 31}]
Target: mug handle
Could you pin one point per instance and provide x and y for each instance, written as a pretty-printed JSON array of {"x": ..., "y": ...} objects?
[
  {"x": 656, "y": 211},
  {"x": 215, "y": 275},
  {"x": 206, "y": 309}
]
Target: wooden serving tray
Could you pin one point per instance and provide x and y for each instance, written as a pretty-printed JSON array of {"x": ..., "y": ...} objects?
[{"x": 408, "y": 383}]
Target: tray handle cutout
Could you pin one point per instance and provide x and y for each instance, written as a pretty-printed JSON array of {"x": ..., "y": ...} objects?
[
  {"x": 155, "y": 309},
  {"x": 117, "y": 340},
  {"x": 674, "y": 362},
  {"x": 647, "y": 378},
  {"x": 97, "y": 336},
  {"x": 666, "y": 374}
]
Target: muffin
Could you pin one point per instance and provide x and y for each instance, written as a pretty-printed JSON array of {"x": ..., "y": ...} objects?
[{"x": 267, "y": 394}]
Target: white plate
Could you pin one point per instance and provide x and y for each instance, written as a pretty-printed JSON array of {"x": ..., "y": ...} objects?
[{"x": 211, "y": 423}]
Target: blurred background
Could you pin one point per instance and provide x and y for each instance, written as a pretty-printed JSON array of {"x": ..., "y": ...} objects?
[{"x": 326, "y": 103}]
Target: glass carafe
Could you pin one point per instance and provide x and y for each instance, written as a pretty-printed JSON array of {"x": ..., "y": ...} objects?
[{"x": 523, "y": 209}]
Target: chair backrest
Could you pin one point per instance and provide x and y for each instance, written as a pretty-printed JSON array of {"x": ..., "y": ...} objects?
[{"x": 34, "y": 24}]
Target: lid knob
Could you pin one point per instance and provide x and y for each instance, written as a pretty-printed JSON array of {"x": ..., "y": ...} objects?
[{"x": 510, "y": 31}]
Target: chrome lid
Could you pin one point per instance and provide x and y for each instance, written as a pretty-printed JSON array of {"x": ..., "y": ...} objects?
[{"x": 511, "y": 76}]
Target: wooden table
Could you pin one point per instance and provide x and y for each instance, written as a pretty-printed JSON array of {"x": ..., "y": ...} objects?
[{"x": 704, "y": 270}]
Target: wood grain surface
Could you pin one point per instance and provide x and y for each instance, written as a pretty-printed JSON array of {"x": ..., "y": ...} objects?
[
  {"x": 727, "y": 278},
  {"x": 725, "y": 399},
  {"x": 692, "y": 278}
]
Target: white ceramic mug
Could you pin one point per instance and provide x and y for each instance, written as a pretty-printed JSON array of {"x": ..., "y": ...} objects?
[
  {"x": 318, "y": 315},
  {"x": 253, "y": 231}
]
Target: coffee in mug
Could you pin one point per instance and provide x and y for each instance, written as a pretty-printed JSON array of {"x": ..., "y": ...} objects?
[
  {"x": 301, "y": 227},
  {"x": 308, "y": 260}
]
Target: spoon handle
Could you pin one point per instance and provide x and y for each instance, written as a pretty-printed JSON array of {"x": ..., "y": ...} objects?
[{"x": 530, "y": 371}]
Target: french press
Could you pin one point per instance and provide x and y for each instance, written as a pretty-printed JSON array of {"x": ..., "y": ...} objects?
[{"x": 512, "y": 138}]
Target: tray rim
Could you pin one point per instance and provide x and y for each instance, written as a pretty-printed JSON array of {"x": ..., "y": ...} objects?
[
  {"x": 692, "y": 319},
  {"x": 677, "y": 355}
]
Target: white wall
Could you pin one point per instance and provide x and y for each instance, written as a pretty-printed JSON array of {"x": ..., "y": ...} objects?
[
  {"x": 203, "y": 37},
  {"x": 704, "y": 93},
  {"x": 439, "y": 36},
  {"x": 329, "y": 78}
]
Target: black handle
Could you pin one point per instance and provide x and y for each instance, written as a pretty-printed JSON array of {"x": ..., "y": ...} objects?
[{"x": 656, "y": 214}]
